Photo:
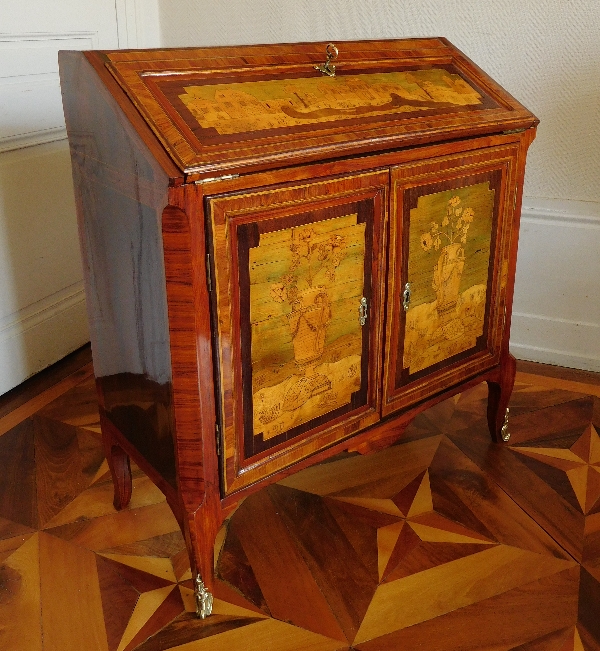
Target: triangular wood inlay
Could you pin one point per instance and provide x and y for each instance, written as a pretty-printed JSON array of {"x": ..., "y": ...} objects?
[
  {"x": 404, "y": 499},
  {"x": 119, "y": 598},
  {"x": 234, "y": 567},
  {"x": 168, "y": 610}
]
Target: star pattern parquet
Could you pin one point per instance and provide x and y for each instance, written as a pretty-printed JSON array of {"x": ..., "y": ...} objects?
[{"x": 442, "y": 542}]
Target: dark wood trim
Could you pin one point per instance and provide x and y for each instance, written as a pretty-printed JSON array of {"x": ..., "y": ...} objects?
[
  {"x": 227, "y": 212},
  {"x": 191, "y": 360},
  {"x": 475, "y": 164}
]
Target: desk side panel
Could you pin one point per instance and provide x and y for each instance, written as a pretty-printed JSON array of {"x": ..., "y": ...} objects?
[{"x": 120, "y": 193}]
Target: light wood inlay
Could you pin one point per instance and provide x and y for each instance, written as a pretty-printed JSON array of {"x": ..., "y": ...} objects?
[
  {"x": 306, "y": 353},
  {"x": 20, "y": 626},
  {"x": 70, "y": 597},
  {"x": 448, "y": 268},
  {"x": 278, "y": 103}
]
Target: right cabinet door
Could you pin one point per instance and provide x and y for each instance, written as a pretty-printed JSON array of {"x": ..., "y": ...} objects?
[{"x": 451, "y": 227}]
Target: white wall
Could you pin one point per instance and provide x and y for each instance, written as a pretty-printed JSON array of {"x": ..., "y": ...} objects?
[
  {"x": 42, "y": 305},
  {"x": 547, "y": 54},
  {"x": 556, "y": 314}
]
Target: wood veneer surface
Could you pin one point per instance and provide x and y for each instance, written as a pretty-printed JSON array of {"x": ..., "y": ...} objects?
[
  {"x": 157, "y": 81},
  {"x": 444, "y": 541}
]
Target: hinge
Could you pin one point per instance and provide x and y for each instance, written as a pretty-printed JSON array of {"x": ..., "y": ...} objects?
[
  {"x": 225, "y": 177},
  {"x": 504, "y": 132},
  {"x": 208, "y": 273},
  {"x": 218, "y": 435}
]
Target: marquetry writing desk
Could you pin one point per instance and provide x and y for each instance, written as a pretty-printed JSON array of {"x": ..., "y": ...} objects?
[{"x": 289, "y": 251}]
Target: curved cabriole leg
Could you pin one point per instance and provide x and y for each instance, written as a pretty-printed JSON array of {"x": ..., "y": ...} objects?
[
  {"x": 498, "y": 396},
  {"x": 119, "y": 465}
]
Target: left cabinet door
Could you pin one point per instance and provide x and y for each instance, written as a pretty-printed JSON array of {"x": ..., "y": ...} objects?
[{"x": 297, "y": 276}]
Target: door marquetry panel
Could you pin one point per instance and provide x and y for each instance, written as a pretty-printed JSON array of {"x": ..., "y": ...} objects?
[
  {"x": 451, "y": 222},
  {"x": 448, "y": 263},
  {"x": 297, "y": 301}
]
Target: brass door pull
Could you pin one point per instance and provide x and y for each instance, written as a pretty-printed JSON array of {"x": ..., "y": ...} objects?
[
  {"x": 406, "y": 297},
  {"x": 362, "y": 311}
]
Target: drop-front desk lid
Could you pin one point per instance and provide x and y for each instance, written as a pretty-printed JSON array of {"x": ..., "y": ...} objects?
[{"x": 235, "y": 109}]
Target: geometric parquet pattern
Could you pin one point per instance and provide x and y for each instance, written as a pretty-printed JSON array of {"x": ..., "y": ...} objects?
[{"x": 442, "y": 542}]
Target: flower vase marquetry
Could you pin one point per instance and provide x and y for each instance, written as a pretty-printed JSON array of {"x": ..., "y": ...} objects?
[
  {"x": 446, "y": 284},
  {"x": 308, "y": 326},
  {"x": 448, "y": 268}
]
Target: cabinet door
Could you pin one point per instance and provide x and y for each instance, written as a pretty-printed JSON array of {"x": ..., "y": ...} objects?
[
  {"x": 450, "y": 233},
  {"x": 297, "y": 286}
]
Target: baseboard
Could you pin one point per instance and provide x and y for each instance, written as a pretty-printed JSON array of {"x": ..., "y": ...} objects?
[
  {"x": 557, "y": 341},
  {"x": 576, "y": 214},
  {"x": 556, "y": 314},
  {"x": 41, "y": 334}
]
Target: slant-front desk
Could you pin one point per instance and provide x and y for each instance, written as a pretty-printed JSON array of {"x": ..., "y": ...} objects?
[{"x": 290, "y": 251}]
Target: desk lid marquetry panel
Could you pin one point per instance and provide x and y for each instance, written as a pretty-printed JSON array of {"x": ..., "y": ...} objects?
[
  {"x": 253, "y": 107},
  {"x": 250, "y": 107}
]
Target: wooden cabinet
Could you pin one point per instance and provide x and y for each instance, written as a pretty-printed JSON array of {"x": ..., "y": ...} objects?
[{"x": 290, "y": 251}]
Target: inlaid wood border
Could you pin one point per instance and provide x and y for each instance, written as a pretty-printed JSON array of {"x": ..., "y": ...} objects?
[
  {"x": 224, "y": 213},
  {"x": 253, "y": 448},
  {"x": 503, "y": 159}
]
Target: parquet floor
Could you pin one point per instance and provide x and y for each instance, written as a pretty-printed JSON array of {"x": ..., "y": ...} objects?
[{"x": 443, "y": 542}]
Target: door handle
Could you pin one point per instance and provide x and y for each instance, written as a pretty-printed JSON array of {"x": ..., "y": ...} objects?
[
  {"x": 406, "y": 297},
  {"x": 362, "y": 311}
]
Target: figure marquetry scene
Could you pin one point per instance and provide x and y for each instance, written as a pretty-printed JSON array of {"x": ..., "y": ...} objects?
[
  {"x": 278, "y": 103},
  {"x": 306, "y": 286},
  {"x": 450, "y": 234}
]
